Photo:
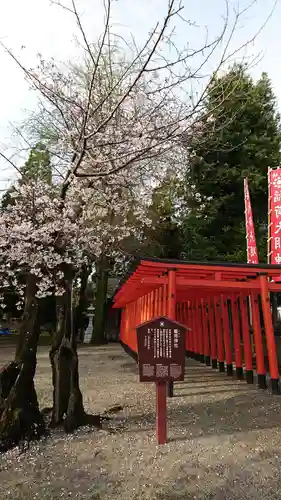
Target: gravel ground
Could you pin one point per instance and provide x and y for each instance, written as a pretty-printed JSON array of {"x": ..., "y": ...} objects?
[{"x": 224, "y": 439}]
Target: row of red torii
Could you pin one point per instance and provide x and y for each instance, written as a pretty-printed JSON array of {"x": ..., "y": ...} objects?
[{"x": 226, "y": 307}]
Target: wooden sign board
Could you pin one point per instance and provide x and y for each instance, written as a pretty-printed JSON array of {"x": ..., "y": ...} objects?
[{"x": 161, "y": 350}]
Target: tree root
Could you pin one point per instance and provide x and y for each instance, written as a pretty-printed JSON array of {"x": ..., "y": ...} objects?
[
  {"x": 86, "y": 420},
  {"x": 114, "y": 409},
  {"x": 20, "y": 417}
]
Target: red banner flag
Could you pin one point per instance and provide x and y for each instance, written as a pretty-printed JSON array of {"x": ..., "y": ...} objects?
[
  {"x": 252, "y": 252},
  {"x": 274, "y": 223}
]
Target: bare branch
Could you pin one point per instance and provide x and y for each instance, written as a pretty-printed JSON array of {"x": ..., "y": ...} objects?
[
  {"x": 126, "y": 106},
  {"x": 9, "y": 161},
  {"x": 75, "y": 168},
  {"x": 96, "y": 64},
  {"x": 142, "y": 70}
]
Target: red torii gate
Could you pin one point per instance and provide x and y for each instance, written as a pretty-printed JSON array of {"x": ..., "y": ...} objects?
[{"x": 204, "y": 297}]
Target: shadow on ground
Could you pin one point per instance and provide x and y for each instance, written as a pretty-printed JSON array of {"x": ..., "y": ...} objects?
[{"x": 208, "y": 403}]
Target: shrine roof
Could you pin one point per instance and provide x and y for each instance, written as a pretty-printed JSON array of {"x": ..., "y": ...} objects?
[{"x": 193, "y": 279}]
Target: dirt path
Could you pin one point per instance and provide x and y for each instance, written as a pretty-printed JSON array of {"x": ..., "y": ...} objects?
[{"x": 225, "y": 439}]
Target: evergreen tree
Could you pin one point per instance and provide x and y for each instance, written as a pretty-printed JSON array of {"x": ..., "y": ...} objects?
[
  {"x": 164, "y": 238},
  {"x": 241, "y": 138},
  {"x": 37, "y": 167}
]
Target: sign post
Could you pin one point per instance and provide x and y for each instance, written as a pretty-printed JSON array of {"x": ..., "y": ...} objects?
[
  {"x": 161, "y": 358},
  {"x": 161, "y": 413}
]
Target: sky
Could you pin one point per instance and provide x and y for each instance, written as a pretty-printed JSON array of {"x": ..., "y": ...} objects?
[{"x": 30, "y": 27}]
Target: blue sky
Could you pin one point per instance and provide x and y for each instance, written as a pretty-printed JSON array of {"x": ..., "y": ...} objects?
[{"x": 40, "y": 27}]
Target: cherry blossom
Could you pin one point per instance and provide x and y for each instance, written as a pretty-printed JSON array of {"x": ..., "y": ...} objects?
[{"x": 39, "y": 233}]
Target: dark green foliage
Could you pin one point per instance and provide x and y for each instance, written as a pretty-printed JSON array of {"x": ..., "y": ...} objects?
[
  {"x": 164, "y": 239},
  {"x": 239, "y": 137},
  {"x": 47, "y": 313},
  {"x": 37, "y": 167},
  {"x": 7, "y": 198},
  {"x": 10, "y": 311}
]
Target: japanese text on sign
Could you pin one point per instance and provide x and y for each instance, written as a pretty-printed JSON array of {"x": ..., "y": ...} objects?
[
  {"x": 274, "y": 179},
  {"x": 162, "y": 341},
  {"x": 252, "y": 255},
  {"x": 161, "y": 350}
]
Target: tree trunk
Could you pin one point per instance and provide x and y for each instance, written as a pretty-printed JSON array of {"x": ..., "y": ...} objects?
[
  {"x": 68, "y": 406},
  {"x": 20, "y": 418},
  {"x": 82, "y": 304},
  {"x": 101, "y": 295}
]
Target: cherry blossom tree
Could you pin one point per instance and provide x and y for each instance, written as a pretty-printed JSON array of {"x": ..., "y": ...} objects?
[
  {"x": 44, "y": 243},
  {"x": 33, "y": 232}
]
